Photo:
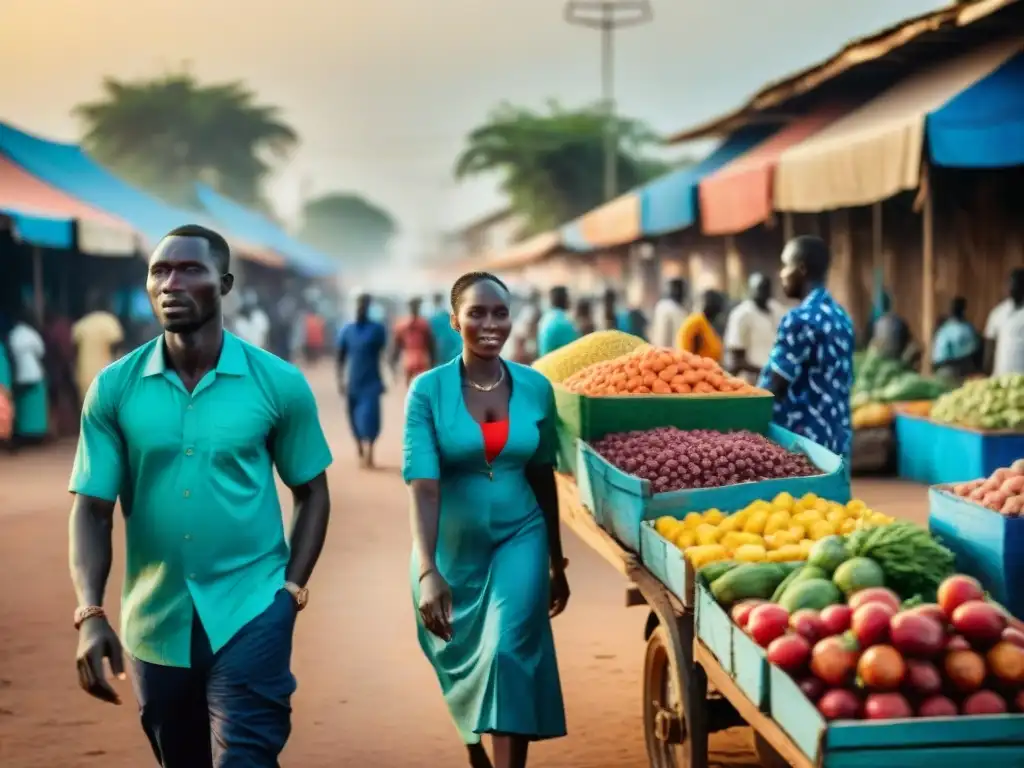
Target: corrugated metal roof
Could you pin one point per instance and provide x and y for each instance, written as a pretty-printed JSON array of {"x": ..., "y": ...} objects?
[{"x": 857, "y": 54}]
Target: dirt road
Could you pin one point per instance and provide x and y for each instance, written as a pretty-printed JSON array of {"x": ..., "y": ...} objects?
[{"x": 366, "y": 697}]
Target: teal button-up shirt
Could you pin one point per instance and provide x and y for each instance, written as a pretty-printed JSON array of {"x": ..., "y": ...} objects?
[{"x": 194, "y": 473}]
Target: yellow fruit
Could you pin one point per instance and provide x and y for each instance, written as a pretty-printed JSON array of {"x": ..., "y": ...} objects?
[
  {"x": 877, "y": 518},
  {"x": 805, "y": 547},
  {"x": 684, "y": 538},
  {"x": 821, "y": 505},
  {"x": 666, "y": 526},
  {"x": 777, "y": 521},
  {"x": 836, "y": 517},
  {"x": 707, "y": 534},
  {"x": 692, "y": 520},
  {"x": 797, "y": 531},
  {"x": 783, "y": 501},
  {"x": 797, "y": 508},
  {"x": 750, "y": 553},
  {"x": 701, "y": 556},
  {"x": 786, "y": 554},
  {"x": 809, "y": 500},
  {"x": 855, "y": 504},
  {"x": 731, "y": 523},
  {"x": 713, "y": 516},
  {"x": 781, "y": 539},
  {"x": 848, "y": 526},
  {"x": 821, "y": 529},
  {"x": 756, "y": 523},
  {"x": 742, "y": 516}
]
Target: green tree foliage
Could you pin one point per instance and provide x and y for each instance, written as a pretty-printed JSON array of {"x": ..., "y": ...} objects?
[
  {"x": 166, "y": 133},
  {"x": 348, "y": 225},
  {"x": 551, "y": 163}
]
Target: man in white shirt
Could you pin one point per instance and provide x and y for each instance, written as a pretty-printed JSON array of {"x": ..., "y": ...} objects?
[
  {"x": 524, "y": 330},
  {"x": 669, "y": 314},
  {"x": 751, "y": 329},
  {"x": 1004, "y": 331},
  {"x": 252, "y": 324}
]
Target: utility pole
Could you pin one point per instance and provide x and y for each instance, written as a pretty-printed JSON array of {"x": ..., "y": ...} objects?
[{"x": 608, "y": 16}]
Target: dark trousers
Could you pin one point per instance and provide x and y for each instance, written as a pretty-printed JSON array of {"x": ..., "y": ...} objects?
[{"x": 230, "y": 709}]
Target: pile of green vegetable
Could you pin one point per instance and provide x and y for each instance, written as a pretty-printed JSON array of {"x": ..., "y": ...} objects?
[
  {"x": 903, "y": 557},
  {"x": 882, "y": 380},
  {"x": 996, "y": 403}
]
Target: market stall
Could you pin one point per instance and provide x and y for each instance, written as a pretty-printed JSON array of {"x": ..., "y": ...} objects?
[
  {"x": 839, "y": 635},
  {"x": 882, "y": 388},
  {"x": 969, "y": 433}
]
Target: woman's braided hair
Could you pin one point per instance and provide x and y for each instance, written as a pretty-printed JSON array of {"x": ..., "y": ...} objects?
[{"x": 467, "y": 281}]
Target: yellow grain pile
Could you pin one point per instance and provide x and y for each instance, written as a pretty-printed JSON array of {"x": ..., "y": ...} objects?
[{"x": 593, "y": 348}]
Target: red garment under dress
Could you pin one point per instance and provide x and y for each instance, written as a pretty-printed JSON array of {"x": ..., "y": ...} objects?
[{"x": 495, "y": 437}]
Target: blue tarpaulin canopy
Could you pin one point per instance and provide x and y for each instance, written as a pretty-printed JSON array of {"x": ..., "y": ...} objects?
[
  {"x": 669, "y": 203},
  {"x": 982, "y": 126},
  {"x": 303, "y": 258},
  {"x": 44, "y": 231},
  {"x": 69, "y": 168}
]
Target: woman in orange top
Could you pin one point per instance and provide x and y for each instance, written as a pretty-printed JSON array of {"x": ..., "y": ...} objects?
[
  {"x": 414, "y": 343},
  {"x": 697, "y": 333}
]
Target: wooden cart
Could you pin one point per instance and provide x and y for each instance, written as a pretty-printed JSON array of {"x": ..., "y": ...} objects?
[{"x": 687, "y": 695}]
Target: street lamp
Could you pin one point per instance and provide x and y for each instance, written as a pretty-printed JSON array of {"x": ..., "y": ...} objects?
[{"x": 608, "y": 16}]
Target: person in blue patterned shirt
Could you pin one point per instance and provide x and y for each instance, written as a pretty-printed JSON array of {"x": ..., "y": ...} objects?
[{"x": 810, "y": 370}]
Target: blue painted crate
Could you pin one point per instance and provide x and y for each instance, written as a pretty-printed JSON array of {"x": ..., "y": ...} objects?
[
  {"x": 750, "y": 669},
  {"x": 714, "y": 627},
  {"x": 620, "y": 502},
  {"x": 665, "y": 561},
  {"x": 928, "y": 743},
  {"x": 938, "y": 454},
  {"x": 987, "y": 545}
]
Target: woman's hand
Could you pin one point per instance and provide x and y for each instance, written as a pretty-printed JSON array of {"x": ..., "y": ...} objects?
[
  {"x": 559, "y": 592},
  {"x": 436, "y": 605}
]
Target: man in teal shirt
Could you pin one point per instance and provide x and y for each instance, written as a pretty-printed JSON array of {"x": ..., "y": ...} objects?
[
  {"x": 556, "y": 327},
  {"x": 447, "y": 342},
  {"x": 186, "y": 432}
]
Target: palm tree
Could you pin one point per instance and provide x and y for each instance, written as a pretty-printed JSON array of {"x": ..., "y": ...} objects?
[
  {"x": 166, "y": 133},
  {"x": 552, "y": 162},
  {"x": 348, "y": 225}
]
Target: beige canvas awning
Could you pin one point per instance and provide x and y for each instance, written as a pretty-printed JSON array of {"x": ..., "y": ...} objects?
[{"x": 875, "y": 151}]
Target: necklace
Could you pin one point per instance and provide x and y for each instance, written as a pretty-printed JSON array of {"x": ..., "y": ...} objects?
[{"x": 488, "y": 387}]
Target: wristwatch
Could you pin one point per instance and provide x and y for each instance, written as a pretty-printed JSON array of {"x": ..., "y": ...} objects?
[{"x": 299, "y": 594}]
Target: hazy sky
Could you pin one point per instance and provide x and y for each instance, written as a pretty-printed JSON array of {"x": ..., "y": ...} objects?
[{"x": 383, "y": 91}]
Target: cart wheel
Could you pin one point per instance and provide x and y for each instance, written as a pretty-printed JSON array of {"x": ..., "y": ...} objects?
[
  {"x": 766, "y": 753},
  {"x": 664, "y": 722}
]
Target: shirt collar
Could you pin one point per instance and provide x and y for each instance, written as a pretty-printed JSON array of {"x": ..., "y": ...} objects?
[
  {"x": 815, "y": 297},
  {"x": 232, "y": 361}
]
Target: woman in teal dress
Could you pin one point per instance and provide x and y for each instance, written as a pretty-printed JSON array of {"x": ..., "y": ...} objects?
[{"x": 487, "y": 568}]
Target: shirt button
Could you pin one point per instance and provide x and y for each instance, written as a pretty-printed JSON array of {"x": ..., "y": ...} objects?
[
  {"x": 192, "y": 576},
  {"x": 187, "y": 493},
  {"x": 189, "y": 408},
  {"x": 188, "y": 537},
  {"x": 188, "y": 451}
]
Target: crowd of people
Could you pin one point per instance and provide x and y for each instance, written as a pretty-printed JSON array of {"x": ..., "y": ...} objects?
[{"x": 47, "y": 363}]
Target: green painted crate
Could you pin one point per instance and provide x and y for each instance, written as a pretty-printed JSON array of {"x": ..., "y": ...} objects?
[{"x": 591, "y": 418}]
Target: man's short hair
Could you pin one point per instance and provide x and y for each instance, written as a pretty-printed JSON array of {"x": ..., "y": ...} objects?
[{"x": 218, "y": 245}]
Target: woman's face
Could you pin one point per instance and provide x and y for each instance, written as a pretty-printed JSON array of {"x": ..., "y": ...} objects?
[{"x": 483, "y": 319}]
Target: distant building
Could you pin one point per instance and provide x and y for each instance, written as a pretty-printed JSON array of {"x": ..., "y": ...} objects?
[{"x": 490, "y": 234}]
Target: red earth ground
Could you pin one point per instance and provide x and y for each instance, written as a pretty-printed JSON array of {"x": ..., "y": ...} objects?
[{"x": 366, "y": 696}]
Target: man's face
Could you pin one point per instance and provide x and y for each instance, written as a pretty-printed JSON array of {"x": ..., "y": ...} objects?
[
  {"x": 184, "y": 284},
  {"x": 794, "y": 274}
]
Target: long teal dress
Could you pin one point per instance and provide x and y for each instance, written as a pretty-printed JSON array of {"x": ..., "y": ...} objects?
[{"x": 499, "y": 673}]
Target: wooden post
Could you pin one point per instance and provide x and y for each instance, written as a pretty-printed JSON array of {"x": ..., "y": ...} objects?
[
  {"x": 927, "y": 271},
  {"x": 787, "y": 226},
  {"x": 877, "y": 256},
  {"x": 37, "y": 282}
]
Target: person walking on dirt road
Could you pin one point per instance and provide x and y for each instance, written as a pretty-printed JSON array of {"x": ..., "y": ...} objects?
[
  {"x": 487, "y": 568},
  {"x": 185, "y": 431}
]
